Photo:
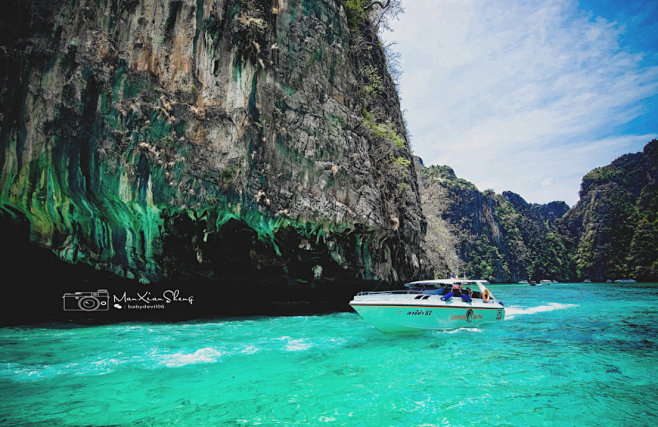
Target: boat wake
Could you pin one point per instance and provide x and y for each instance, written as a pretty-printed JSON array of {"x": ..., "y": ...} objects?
[
  {"x": 464, "y": 330},
  {"x": 513, "y": 311}
]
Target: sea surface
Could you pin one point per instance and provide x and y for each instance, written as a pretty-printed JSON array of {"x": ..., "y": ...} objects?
[{"x": 566, "y": 355}]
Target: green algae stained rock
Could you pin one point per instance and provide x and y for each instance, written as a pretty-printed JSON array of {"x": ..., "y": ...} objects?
[{"x": 198, "y": 138}]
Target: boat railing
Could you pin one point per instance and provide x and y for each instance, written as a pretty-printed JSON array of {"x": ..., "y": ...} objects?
[
  {"x": 492, "y": 300},
  {"x": 387, "y": 292}
]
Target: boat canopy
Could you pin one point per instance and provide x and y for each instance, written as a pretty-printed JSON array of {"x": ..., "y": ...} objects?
[{"x": 439, "y": 283}]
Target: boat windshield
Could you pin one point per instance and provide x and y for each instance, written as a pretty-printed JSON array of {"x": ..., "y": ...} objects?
[
  {"x": 443, "y": 287},
  {"x": 425, "y": 288}
]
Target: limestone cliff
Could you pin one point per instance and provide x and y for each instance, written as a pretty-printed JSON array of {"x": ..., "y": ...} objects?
[
  {"x": 611, "y": 233},
  {"x": 500, "y": 238},
  {"x": 613, "y": 229},
  {"x": 216, "y": 139}
]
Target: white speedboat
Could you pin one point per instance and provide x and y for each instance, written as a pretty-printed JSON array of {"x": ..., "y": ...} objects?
[
  {"x": 625, "y": 281},
  {"x": 587, "y": 281},
  {"x": 523, "y": 282},
  {"x": 430, "y": 305},
  {"x": 547, "y": 282}
]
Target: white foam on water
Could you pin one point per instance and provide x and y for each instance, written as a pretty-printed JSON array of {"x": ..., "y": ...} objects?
[
  {"x": 454, "y": 331},
  {"x": 38, "y": 371},
  {"x": 298, "y": 345},
  {"x": 249, "y": 349},
  {"x": 16, "y": 371},
  {"x": 513, "y": 311},
  {"x": 203, "y": 355},
  {"x": 101, "y": 367}
]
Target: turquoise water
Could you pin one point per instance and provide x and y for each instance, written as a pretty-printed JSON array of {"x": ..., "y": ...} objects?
[{"x": 565, "y": 355}]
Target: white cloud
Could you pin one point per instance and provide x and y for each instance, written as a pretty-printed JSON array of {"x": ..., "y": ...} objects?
[{"x": 519, "y": 93}]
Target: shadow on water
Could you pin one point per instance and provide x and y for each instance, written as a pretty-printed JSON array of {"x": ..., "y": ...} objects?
[
  {"x": 36, "y": 280},
  {"x": 41, "y": 296}
]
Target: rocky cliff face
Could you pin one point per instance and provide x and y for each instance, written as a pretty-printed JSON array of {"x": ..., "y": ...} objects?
[
  {"x": 613, "y": 229},
  {"x": 499, "y": 238},
  {"x": 220, "y": 140},
  {"x": 611, "y": 233}
]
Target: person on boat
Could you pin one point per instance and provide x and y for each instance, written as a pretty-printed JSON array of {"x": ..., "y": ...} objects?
[
  {"x": 469, "y": 292},
  {"x": 457, "y": 290}
]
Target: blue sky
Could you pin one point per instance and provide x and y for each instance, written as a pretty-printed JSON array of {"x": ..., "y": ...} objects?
[{"x": 528, "y": 96}]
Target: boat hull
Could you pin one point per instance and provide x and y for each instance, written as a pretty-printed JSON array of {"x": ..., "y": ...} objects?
[{"x": 394, "y": 318}]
